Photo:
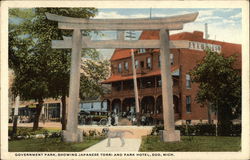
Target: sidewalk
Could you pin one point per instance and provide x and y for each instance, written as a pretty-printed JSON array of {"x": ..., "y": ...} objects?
[
  {"x": 131, "y": 145},
  {"x": 132, "y": 141}
]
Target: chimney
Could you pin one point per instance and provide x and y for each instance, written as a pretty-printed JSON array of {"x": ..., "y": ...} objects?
[
  {"x": 206, "y": 31},
  {"x": 198, "y": 34}
]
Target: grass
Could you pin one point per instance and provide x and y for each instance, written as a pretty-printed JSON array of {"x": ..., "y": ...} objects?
[
  {"x": 193, "y": 144},
  {"x": 51, "y": 145},
  {"x": 23, "y": 130}
]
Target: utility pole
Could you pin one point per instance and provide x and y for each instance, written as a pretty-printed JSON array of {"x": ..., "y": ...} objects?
[
  {"x": 150, "y": 13},
  {"x": 131, "y": 35}
]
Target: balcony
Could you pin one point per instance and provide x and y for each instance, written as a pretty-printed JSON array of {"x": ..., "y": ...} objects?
[
  {"x": 141, "y": 92},
  {"x": 139, "y": 71},
  {"x": 143, "y": 70}
]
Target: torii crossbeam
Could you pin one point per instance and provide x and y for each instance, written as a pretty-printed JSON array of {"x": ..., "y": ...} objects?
[{"x": 77, "y": 42}]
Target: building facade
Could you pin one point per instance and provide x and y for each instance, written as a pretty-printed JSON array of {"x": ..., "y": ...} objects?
[{"x": 147, "y": 63}]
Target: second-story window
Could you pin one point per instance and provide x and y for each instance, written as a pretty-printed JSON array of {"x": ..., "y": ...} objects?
[
  {"x": 172, "y": 59},
  {"x": 188, "y": 81},
  {"x": 126, "y": 66},
  {"x": 119, "y": 67},
  {"x": 136, "y": 64},
  {"x": 149, "y": 64},
  {"x": 142, "y": 50}
]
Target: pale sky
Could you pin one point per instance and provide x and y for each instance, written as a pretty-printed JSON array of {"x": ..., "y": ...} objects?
[{"x": 224, "y": 24}]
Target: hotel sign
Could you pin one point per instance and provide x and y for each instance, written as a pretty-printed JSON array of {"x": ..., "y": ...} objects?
[{"x": 201, "y": 46}]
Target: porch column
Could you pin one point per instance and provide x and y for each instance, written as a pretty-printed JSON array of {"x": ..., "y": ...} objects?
[
  {"x": 72, "y": 134},
  {"x": 169, "y": 133},
  {"x": 111, "y": 105}
]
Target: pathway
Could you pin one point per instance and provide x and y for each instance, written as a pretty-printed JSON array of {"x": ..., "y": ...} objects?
[
  {"x": 131, "y": 145},
  {"x": 132, "y": 141}
]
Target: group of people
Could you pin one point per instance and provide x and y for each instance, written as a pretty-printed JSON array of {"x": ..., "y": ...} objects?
[
  {"x": 144, "y": 119},
  {"x": 112, "y": 120}
]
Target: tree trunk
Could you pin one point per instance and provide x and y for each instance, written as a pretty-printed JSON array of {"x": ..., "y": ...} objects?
[
  {"x": 209, "y": 110},
  {"x": 64, "y": 118},
  {"x": 37, "y": 115},
  {"x": 14, "y": 129},
  {"x": 224, "y": 117}
]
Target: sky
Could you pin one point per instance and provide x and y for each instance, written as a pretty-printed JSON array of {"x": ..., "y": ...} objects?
[{"x": 224, "y": 24}]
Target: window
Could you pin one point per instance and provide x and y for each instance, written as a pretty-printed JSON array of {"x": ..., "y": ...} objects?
[
  {"x": 193, "y": 45},
  {"x": 198, "y": 45},
  {"x": 202, "y": 46},
  {"x": 136, "y": 64},
  {"x": 159, "y": 83},
  {"x": 159, "y": 61},
  {"x": 219, "y": 48},
  {"x": 188, "y": 81},
  {"x": 119, "y": 67},
  {"x": 142, "y": 64},
  {"x": 142, "y": 50},
  {"x": 172, "y": 59},
  {"x": 188, "y": 103},
  {"x": 149, "y": 63},
  {"x": 126, "y": 65},
  {"x": 190, "y": 44}
]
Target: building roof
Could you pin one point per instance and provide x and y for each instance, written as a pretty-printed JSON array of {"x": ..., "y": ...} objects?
[
  {"x": 115, "y": 78},
  {"x": 228, "y": 49}
]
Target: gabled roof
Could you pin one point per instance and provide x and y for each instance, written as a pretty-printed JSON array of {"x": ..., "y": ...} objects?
[{"x": 125, "y": 53}]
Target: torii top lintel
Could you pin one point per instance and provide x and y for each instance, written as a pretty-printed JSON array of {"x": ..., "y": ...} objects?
[{"x": 169, "y": 23}]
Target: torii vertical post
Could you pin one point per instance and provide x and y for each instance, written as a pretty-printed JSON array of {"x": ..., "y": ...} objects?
[
  {"x": 169, "y": 133},
  {"x": 72, "y": 134}
]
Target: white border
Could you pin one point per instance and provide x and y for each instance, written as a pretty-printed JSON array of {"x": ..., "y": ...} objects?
[{"x": 244, "y": 154}]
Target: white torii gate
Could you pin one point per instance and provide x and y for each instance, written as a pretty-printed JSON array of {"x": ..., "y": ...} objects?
[{"x": 77, "y": 42}]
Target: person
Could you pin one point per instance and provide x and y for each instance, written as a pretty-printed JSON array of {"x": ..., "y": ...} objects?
[
  {"x": 133, "y": 120},
  {"x": 112, "y": 120},
  {"x": 143, "y": 118},
  {"x": 116, "y": 120},
  {"x": 109, "y": 121},
  {"x": 43, "y": 119}
]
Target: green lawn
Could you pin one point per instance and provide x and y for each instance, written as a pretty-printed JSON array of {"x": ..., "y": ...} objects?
[
  {"x": 51, "y": 145},
  {"x": 195, "y": 144}
]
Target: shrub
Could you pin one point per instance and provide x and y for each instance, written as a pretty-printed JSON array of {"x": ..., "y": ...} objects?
[
  {"x": 92, "y": 133},
  {"x": 55, "y": 135},
  {"x": 203, "y": 130},
  {"x": 84, "y": 134}
]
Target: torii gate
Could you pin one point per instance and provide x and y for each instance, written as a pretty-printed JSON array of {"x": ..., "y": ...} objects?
[{"x": 77, "y": 42}]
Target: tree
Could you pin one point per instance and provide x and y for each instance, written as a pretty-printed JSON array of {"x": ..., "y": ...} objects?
[
  {"x": 41, "y": 71},
  {"x": 219, "y": 86},
  {"x": 29, "y": 82},
  {"x": 93, "y": 71}
]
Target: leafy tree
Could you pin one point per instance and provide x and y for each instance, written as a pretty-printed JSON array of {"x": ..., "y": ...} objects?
[
  {"x": 93, "y": 71},
  {"x": 219, "y": 86},
  {"x": 41, "y": 71}
]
